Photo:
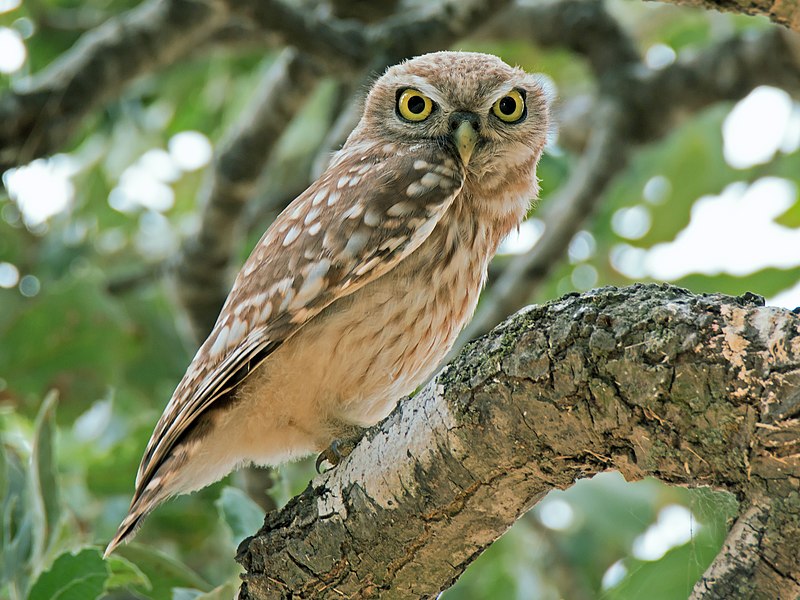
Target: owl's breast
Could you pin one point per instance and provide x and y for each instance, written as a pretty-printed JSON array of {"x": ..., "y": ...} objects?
[{"x": 408, "y": 320}]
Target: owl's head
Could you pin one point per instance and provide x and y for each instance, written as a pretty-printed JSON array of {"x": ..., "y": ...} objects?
[{"x": 493, "y": 117}]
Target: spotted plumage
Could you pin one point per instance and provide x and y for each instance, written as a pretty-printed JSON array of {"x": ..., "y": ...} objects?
[{"x": 360, "y": 286}]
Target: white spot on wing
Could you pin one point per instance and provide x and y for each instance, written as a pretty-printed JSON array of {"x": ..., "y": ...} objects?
[
  {"x": 221, "y": 342},
  {"x": 314, "y": 229},
  {"x": 368, "y": 266},
  {"x": 319, "y": 197},
  {"x": 237, "y": 332},
  {"x": 400, "y": 209},
  {"x": 416, "y": 189},
  {"x": 312, "y": 214},
  {"x": 372, "y": 217},
  {"x": 430, "y": 180},
  {"x": 357, "y": 242},
  {"x": 266, "y": 311},
  {"x": 354, "y": 211},
  {"x": 392, "y": 244},
  {"x": 287, "y": 299},
  {"x": 291, "y": 236},
  {"x": 313, "y": 284}
]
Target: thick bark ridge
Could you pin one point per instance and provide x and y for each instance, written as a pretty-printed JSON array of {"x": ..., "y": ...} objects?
[{"x": 647, "y": 380}]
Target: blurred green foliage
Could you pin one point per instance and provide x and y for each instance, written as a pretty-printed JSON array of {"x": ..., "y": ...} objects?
[{"x": 106, "y": 346}]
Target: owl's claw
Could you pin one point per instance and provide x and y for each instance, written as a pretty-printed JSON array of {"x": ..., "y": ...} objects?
[
  {"x": 335, "y": 453},
  {"x": 330, "y": 455}
]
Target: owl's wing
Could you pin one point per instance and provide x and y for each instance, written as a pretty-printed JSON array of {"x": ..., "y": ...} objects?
[{"x": 370, "y": 209}]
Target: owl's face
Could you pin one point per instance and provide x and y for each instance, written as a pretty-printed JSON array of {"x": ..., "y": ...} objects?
[{"x": 491, "y": 116}]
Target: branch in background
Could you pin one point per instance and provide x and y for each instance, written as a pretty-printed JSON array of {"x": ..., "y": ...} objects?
[
  {"x": 336, "y": 43},
  {"x": 41, "y": 118},
  {"x": 205, "y": 258},
  {"x": 583, "y": 26},
  {"x": 728, "y": 70},
  {"x": 779, "y": 11},
  {"x": 648, "y": 380}
]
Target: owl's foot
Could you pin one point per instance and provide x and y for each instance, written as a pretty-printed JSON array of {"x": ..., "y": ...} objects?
[{"x": 339, "y": 448}]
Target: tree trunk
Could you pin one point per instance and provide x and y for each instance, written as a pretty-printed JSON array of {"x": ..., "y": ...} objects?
[{"x": 647, "y": 380}]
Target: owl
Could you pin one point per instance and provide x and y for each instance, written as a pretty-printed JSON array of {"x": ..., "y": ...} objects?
[{"x": 359, "y": 288}]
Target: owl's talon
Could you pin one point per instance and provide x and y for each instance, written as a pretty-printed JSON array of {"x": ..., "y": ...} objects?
[
  {"x": 336, "y": 452},
  {"x": 330, "y": 455}
]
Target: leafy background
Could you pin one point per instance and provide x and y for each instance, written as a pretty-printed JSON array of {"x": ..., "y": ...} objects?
[{"x": 90, "y": 351}]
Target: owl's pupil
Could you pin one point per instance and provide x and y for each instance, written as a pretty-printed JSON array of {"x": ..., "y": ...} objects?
[
  {"x": 508, "y": 105},
  {"x": 416, "y": 104}
]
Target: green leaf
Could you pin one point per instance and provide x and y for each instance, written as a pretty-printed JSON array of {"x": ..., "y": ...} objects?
[
  {"x": 163, "y": 572},
  {"x": 16, "y": 554},
  {"x": 3, "y": 494},
  {"x": 124, "y": 573},
  {"x": 240, "y": 513},
  {"x": 17, "y": 526},
  {"x": 81, "y": 576},
  {"x": 44, "y": 484},
  {"x": 790, "y": 217}
]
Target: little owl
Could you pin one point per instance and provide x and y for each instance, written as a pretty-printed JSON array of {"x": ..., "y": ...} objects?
[{"x": 360, "y": 287}]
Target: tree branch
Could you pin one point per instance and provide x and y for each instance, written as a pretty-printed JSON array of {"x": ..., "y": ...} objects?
[
  {"x": 648, "y": 380},
  {"x": 779, "y": 11},
  {"x": 43, "y": 116}
]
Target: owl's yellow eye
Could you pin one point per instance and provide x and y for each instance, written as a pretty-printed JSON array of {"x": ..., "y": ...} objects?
[
  {"x": 510, "y": 108},
  {"x": 413, "y": 105}
]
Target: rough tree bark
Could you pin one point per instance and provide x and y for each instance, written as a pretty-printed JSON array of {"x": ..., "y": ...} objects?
[
  {"x": 698, "y": 390},
  {"x": 785, "y": 12}
]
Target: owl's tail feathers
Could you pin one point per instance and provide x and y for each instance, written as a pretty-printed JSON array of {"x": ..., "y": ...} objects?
[{"x": 142, "y": 504}]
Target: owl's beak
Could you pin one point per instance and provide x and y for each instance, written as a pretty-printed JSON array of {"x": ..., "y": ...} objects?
[{"x": 465, "y": 138}]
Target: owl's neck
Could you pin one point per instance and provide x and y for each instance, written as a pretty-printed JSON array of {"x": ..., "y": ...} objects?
[{"x": 498, "y": 200}]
